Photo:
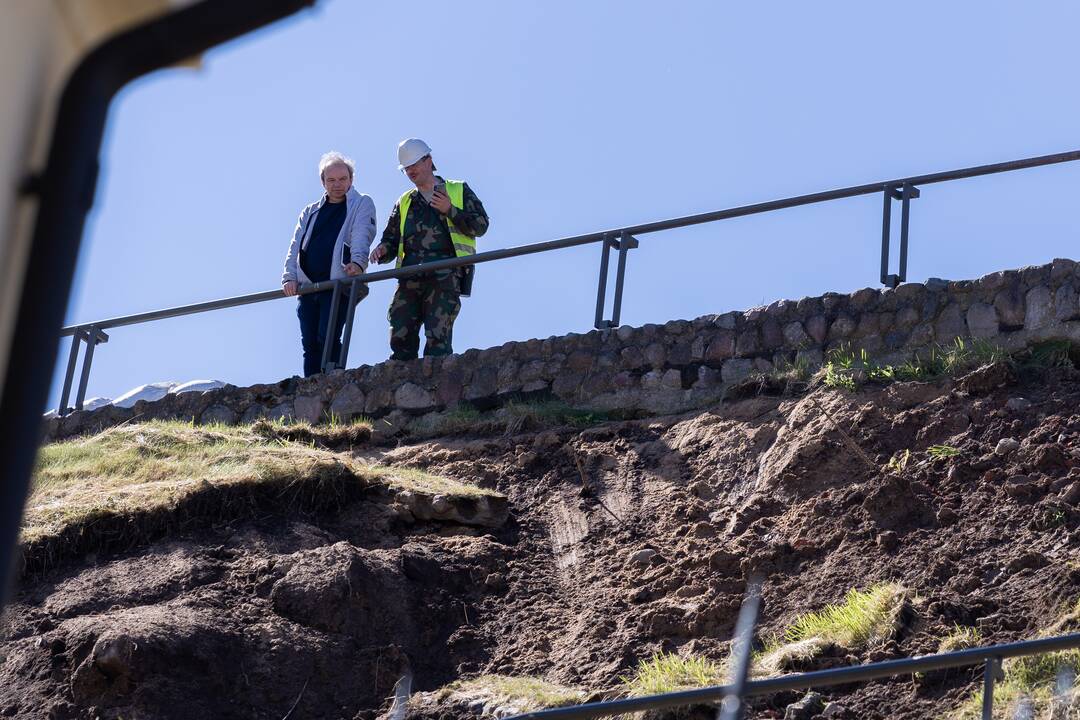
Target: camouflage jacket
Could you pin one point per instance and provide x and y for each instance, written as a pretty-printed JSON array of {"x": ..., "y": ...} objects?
[{"x": 427, "y": 237}]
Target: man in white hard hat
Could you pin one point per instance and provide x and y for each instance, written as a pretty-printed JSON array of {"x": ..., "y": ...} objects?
[
  {"x": 437, "y": 220},
  {"x": 330, "y": 241}
]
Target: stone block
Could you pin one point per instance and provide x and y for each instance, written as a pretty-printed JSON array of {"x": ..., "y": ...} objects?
[
  {"x": 679, "y": 354},
  {"x": 672, "y": 380},
  {"x": 632, "y": 358},
  {"x": 907, "y": 318},
  {"x": 982, "y": 320},
  {"x": 1010, "y": 306},
  {"x": 736, "y": 370},
  {"x": 842, "y": 328},
  {"x": 1062, "y": 269},
  {"x": 579, "y": 361},
  {"x": 727, "y": 321},
  {"x": 410, "y": 396},
  {"x": 655, "y": 355},
  {"x": 1038, "y": 308},
  {"x": 218, "y": 414},
  {"x": 950, "y": 324},
  {"x": 865, "y": 299},
  {"x": 308, "y": 408},
  {"x": 652, "y": 380},
  {"x": 795, "y": 336},
  {"x": 707, "y": 377},
  {"x": 720, "y": 347},
  {"x": 348, "y": 402},
  {"x": 817, "y": 327},
  {"x": 772, "y": 336},
  {"x": 1065, "y": 303},
  {"x": 747, "y": 343}
]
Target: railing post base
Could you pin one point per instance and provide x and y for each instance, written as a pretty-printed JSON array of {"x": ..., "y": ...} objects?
[
  {"x": 625, "y": 243},
  {"x": 905, "y": 194}
]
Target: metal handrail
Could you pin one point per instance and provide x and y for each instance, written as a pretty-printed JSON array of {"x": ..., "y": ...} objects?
[
  {"x": 621, "y": 239},
  {"x": 992, "y": 655}
]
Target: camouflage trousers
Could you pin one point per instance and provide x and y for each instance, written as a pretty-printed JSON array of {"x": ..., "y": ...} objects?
[{"x": 431, "y": 302}]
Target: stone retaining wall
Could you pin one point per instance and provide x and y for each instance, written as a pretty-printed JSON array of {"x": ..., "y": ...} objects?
[{"x": 657, "y": 368}]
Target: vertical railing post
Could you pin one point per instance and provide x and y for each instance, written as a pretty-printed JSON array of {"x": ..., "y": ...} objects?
[
  {"x": 77, "y": 338},
  {"x": 627, "y": 242},
  {"x": 886, "y": 220},
  {"x": 908, "y": 193},
  {"x": 732, "y": 707},
  {"x": 350, "y": 311},
  {"x": 601, "y": 289},
  {"x": 94, "y": 336},
  {"x": 328, "y": 344},
  {"x": 993, "y": 667}
]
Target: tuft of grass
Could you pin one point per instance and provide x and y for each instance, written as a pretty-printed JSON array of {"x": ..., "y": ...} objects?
[
  {"x": 863, "y": 619},
  {"x": 961, "y": 638},
  {"x": 134, "y": 483},
  {"x": 525, "y": 693},
  {"x": 667, "y": 672},
  {"x": 334, "y": 435},
  {"x": 849, "y": 369},
  {"x": 1036, "y": 681},
  {"x": 942, "y": 451},
  {"x": 898, "y": 463},
  {"x": 421, "y": 481}
]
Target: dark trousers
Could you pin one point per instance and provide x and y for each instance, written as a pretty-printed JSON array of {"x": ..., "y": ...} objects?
[{"x": 314, "y": 313}]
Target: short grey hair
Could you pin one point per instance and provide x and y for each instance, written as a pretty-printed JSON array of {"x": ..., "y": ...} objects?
[{"x": 335, "y": 158}]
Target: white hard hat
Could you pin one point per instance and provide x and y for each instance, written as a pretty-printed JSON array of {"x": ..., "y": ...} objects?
[{"x": 410, "y": 151}]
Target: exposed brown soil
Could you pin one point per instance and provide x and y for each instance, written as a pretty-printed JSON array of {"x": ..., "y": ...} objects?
[{"x": 322, "y": 614}]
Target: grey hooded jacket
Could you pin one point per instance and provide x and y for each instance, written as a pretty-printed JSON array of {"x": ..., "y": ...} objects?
[{"x": 353, "y": 241}]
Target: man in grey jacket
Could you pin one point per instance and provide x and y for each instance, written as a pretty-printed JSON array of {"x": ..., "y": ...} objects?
[{"x": 330, "y": 241}]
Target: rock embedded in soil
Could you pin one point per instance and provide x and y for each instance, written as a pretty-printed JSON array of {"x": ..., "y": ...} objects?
[{"x": 1006, "y": 446}]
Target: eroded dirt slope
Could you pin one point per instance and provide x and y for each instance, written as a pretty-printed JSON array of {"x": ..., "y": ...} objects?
[{"x": 625, "y": 539}]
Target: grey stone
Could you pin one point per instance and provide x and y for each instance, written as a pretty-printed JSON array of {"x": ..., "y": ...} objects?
[
  {"x": 833, "y": 711},
  {"x": 950, "y": 324},
  {"x": 1065, "y": 303},
  {"x": 411, "y": 396},
  {"x": 672, "y": 380},
  {"x": 1006, "y": 446},
  {"x": 909, "y": 292},
  {"x": 642, "y": 557},
  {"x": 348, "y": 402},
  {"x": 810, "y": 705},
  {"x": 1039, "y": 310},
  {"x": 735, "y": 370},
  {"x": 865, "y": 299},
  {"x": 1018, "y": 404},
  {"x": 308, "y": 408},
  {"x": 921, "y": 335},
  {"x": 707, "y": 377},
  {"x": 907, "y": 318},
  {"x": 676, "y": 327},
  {"x": 982, "y": 320},
  {"x": 795, "y": 336},
  {"x": 937, "y": 285},
  {"x": 652, "y": 380},
  {"x": 1010, "y": 306},
  {"x": 842, "y": 328},
  {"x": 1061, "y": 268},
  {"x": 721, "y": 347},
  {"x": 631, "y": 357},
  {"x": 218, "y": 414},
  {"x": 697, "y": 348},
  {"x": 625, "y": 333},
  {"x": 727, "y": 321},
  {"x": 282, "y": 411},
  {"x": 772, "y": 337},
  {"x": 532, "y": 370},
  {"x": 817, "y": 327},
  {"x": 747, "y": 343},
  {"x": 762, "y": 366},
  {"x": 656, "y": 355}
]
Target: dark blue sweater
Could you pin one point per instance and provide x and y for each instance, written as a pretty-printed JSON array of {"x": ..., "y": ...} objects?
[{"x": 317, "y": 257}]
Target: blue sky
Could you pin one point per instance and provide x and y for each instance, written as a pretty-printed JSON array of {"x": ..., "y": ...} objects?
[{"x": 568, "y": 117}]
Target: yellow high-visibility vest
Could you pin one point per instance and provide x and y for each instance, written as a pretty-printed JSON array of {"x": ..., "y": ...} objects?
[{"x": 463, "y": 244}]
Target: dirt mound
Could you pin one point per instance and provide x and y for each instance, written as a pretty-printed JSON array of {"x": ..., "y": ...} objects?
[{"x": 625, "y": 540}]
